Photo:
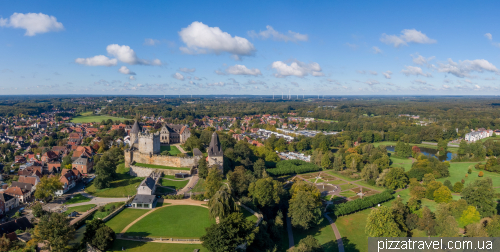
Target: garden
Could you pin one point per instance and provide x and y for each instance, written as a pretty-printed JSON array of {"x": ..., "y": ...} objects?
[{"x": 173, "y": 150}]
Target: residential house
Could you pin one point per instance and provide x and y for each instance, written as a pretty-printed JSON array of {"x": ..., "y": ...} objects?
[
  {"x": 22, "y": 194},
  {"x": 69, "y": 178},
  {"x": 7, "y": 203},
  {"x": 32, "y": 180},
  {"x": 83, "y": 164}
]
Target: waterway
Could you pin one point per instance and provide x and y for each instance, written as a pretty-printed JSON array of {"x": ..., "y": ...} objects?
[{"x": 429, "y": 152}]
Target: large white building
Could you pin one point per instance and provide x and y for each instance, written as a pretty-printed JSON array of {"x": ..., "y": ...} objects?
[{"x": 478, "y": 135}]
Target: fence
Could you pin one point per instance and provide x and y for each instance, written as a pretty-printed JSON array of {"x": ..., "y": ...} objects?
[{"x": 152, "y": 239}]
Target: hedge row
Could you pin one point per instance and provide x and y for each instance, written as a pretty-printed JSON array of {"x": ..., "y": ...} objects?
[
  {"x": 360, "y": 204},
  {"x": 294, "y": 166}
]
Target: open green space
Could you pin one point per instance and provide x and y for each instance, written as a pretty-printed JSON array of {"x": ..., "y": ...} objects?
[
  {"x": 459, "y": 169},
  {"x": 89, "y": 117},
  {"x": 390, "y": 143},
  {"x": 323, "y": 233},
  {"x": 352, "y": 229},
  {"x": 107, "y": 210},
  {"x": 77, "y": 199},
  {"x": 248, "y": 215},
  {"x": 495, "y": 138},
  {"x": 174, "y": 184},
  {"x": 364, "y": 184},
  {"x": 336, "y": 174},
  {"x": 348, "y": 193},
  {"x": 173, "y": 177},
  {"x": 173, "y": 150},
  {"x": 162, "y": 167},
  {"x": 79, "y": 209},
  {"x": 123, "y": 186},
  {"x": 125, "y": 217},
  {"x": 336, "y": 182},
  {"x": 173, "y": 221},
  {"x": 135, "y": 246},
  {"x": 199, "y": 186},
  {"x": 404, "y": 163},
  {"x": 347, "y": 186}
]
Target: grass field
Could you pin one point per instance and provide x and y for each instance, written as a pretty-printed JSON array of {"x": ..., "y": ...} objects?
[
  {"x": 125, "y": 217},
  {"x": 135, "y": 246},
  {"x": 80, "y": 209},
  {"x": 248, "y": 215},
  {"x": 389, "y": 143},
  {"x": 199, "y": 186},
  {"x": 352, "y": 230},
  {"x": 458, "y": 171},
  {"x": 173, "y": 150},
  {"x": 89, "y": 117},
  {"x": 173, "y": 221},
  {"x": 348, "y": 193},
  {"x": 336, "y": 174},
  {"x": 347, "y": 186},
  {"x": 364, "y": 184},
  {"x": 404, "y": 163},
  {"x": 162, "y": 167},
  {"x": 323, "y": 233},
  {"x": 107, "y": 210},
  {"x": 122, "y": 187},
  {"x": 77, "y": 199},
  {"x": 173, "y": 177},
  {"x": 174, "y": 184}
]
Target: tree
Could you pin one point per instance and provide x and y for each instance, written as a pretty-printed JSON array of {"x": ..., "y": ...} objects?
[
  {"x": 399, "y": 212},
  {"x": 305, "y": 210},
  {"x": 442, "y": 195},
  {"x": 228, "y": 234},
  {"x": 258, "y": 167},
  {"x": 418, "y": 192},
  {"x": 239, "y": 180},
  {"x": 308, "y": 244},
  {"x": 448, "y": 184},
  {"x": 202, "y": 168},
  {"x": 396, "y": 178},
  {"x": 428, "y": 178},
  {"x": 470, "y": 215},
  {"x": 431, "y": 188},
  {"x": 222, "y": 204},
  {"x": 98, "y": 234},
  {"x": 427, "y": 222},
  {"x": 5, "y": 243},
  {"x": 458, "y": 187},
  {"x": 54, "y": 229},
  {"x": 449, "y": 227},
  {"x": 38, "y": 210},
  {"x": 266, "y": 191},
  {"x": 411, "y": 221},
  {"x": 480, "y": 194},
  {"x": 413, "y": 204},
  {"x": 47, "y": 187},
  {"x": 213, "y": 182},
  {"x": 380, "y": 223},
  {"x": 476, "y": 230},
  {"x": 370, "y": 173},
  {"x": 326, "y": 162}
]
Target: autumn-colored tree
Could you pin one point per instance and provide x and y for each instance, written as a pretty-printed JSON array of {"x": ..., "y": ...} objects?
[
  {"x": 428, "y": 178},
  {"x": 380, "y": 223},
  {"x": 426, "y": 222},
  {"x": 442, "y": 195},
  {"x": 469, "y": 216},
  {"x": 431, "y": 188},
  {"x": 458, "y": 187},
  {"x": 481, "y": 173},
  {"x": 417, "y": 192}
]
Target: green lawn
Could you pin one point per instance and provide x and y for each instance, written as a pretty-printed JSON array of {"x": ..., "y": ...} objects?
[
  {"x": 123, "y": 186},
  {"x": 199, "y": 186},
  {"x": 404, "y": 163},
  {"x": 94, "y": 118},
  {"x": 174, "y": 184},
  {"x": 173, "y": 177},
  {"x": 336, "y": 182},
  {"x": 79, "y": 209},
  {"x": 248, "y": 215},
  {"x": 364, "y": 184},
  {"x": 459, "y": 169},
  {"x": 323, "y": 233},
  {"x": 173, "y": 221},
  {"x": 77, "y": 199},
  {"x": 162, "y": 167},
  {"x": 348, "y": 193},
  {"x": 135, "y": 246},
  {"x": 352, "y": 230},
  {"x": 173, "y": 150},
  {"x": 347, "y": 186},
  {"x": 107, "y": 210},
  {"x": 340, "y": 176},
  {"x": 125, "y": 217}
]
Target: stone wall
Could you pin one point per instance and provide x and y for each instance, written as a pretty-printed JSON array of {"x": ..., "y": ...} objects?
[
  {"x": 173, "y": 161},
  {"x": 144, "y": 172}
]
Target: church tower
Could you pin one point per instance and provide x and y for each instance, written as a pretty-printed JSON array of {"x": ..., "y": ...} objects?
[{"x": 215, "y": 153}]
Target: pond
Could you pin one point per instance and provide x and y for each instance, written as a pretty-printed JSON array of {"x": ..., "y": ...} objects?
[{"x": 429, "y": 152}]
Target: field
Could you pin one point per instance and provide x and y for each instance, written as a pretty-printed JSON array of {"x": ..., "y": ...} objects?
[
  {"x": 199, "y": 186},
  {"x": 174, "y": 184},
  {"x": 173, "y": 221},
  {"x": 248, "y": 215},
  {"x": 107, "y": 210},
  {"x": 173, "y": 177},
  {"x": 352, "y": 230},
  {"x": 404, "y": 163},
  {"x": 389, "y": 143},
  {"x": 88, "y": 117},
  {"x": 125, "y": 217},
  {"x": 162, "y": 167},
  {"x": 323, "y": 232},
  {"x": 79, "y": 209},
  {"x": 171, "y": 149},
  {"x": 122, "y": 187},
  {"x": 77, "y": 199},
  {"x": 458, "y": 171},
  {"x": 135, "y": 246}
]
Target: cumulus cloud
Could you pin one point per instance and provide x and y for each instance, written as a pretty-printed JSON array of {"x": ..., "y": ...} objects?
[
  {"x": 131, "y": 77},
  {"x": 151, "y": 42},
  {"x": 411, "y": 70},
  {"x": 446, "y": 87},
  {"x": 127, "y": 55},
  {"x": 178, "y": 76},
  {"x": 275, "y": 35},
  {"x": 33, "y": 23},
  {"x": 421, "y": 82},
  {"x": 202, "y": 39},
  {"x": 488, "y": 36},
  {"x": 376, "y": 50},
  {"x": 387, "y": 74},
  {"x": 125, "y": 70},
  {"x": 296, "y": 68},
  {"x": 99, "y": 60},
  {"x": 464, "y": 68},
  {"x": 187, "y": 70},
  {"x": 421, "y": 60},
  {"x": 372, "y": 82},
  {"x": 242, "y": 70},
  {"x": 407, "y": 36},
  {"x": 373, "y": 72}
]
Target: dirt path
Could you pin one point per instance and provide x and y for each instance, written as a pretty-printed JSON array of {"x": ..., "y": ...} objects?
[
  {"x": 337, "y": 233},
  {"x": 291, "y": 242},
  {"x": 192, "y": 182}
]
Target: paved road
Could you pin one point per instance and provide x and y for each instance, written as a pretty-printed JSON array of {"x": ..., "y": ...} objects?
[
  {"x": 337, "y": 233},
  {"x": 291, "y": 242},
  {"x": 192, "y": 182}
]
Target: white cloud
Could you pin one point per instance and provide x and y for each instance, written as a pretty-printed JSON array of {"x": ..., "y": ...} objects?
[
  {"x": 477, "y": 87},
  {"x": 411, "y": 70},
  {"x": 336, "y": 82},
  {"x": 178, "y": 76},
  {"x": 465, "y": 67},
  {"x": 202, "y": 39},
  {"x": 33, "y": 23},
  {"x": 275, "y": 35},
  {"x": 242, "y": 70},
  {"x": 296, "y": 68},
  {"x": 373, "y": 72},
  {"x": 187, "y": 70},
  {"x": 352, "y": 46},
  {"x": 127, "y": 55},
  {"x": 489, "y": 36},
  {"x": 361, "y": 71},
  {"x": 125, "y": 70},
  {"x": 372, "y": 82},
  {"x": 421, "y": 82},
  {"x": 376, "y": 50},
  {"x": 446, "y": 87},
  {"x": 421, "y": 60},
  {"x": 151, "y": 42},
  {"x": 131, "y": 77},
  {"x": 407, "y": 36},
  {"x": 99, "y": 60},
  {"x": 387, "y": 74}
]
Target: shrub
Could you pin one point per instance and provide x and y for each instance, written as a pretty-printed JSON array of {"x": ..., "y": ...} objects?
[
  {"x": 458, "y": 187},
  {"x": 292, "y": 167},
  {"x": 112, "y": 208},
  {"x": 466, "y": 175},
  {"x": 360, "y": 204},
  {"x": 469, "y": 171},
  {"x": 463, "y": 181},
  {"x": 199, "y": 197},
  {"x": 480, "y": 174},
  {"x": 173, "y": 196},
  {"x": 101, "y": 209}
]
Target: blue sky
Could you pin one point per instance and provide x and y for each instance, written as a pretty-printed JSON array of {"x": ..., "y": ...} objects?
[{"x": 250, "y": 47}]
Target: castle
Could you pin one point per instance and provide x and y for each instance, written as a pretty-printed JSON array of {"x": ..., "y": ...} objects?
[
  {"x": 215, "y": 153},
  {"x": 174, "y": 133}
]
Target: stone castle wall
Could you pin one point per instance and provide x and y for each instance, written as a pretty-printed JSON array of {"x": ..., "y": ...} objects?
[
  {"x": 145, "y": 172},
  {"x": 149, "y": 143},
  {"x": 173, "y": 161}
]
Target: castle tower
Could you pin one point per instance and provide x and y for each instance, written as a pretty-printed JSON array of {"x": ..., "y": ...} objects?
[
  {"x": 164, "y": 135},
  {"x": 134, "y": 134},
  {"x": 215, "y": 153},
  {"x": 149, "y": 143}
]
